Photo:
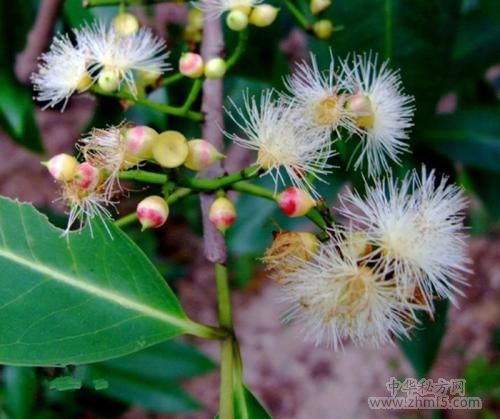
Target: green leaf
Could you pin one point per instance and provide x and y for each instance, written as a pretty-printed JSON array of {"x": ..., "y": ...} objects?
[
  {"x": 132, "y": 378},
  {"x": 247, "y": 406},
  {"x": 470, "y": 136},
  {"x": 77, "y": 299},
  {"x": 20, "y": 391},
  {"x": 164, "y": 362},
  {"x": 423, "y": 345},
  {"x": 17, "y": 113},
  {"x": 150, "y": 393}
]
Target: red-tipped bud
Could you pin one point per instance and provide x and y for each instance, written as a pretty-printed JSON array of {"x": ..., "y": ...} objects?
[
  {"x": 152, "y": 212},
  {"x": 62, "y": 167},
  {"x": 191, "y": 65},
  {"x": 139, "y": 141},
  {"x": 222, "y": 214},
  {"x": 86, "y": 176},
  {"x": 201, "y": 155},
  {"x": 295, "y": 202}
]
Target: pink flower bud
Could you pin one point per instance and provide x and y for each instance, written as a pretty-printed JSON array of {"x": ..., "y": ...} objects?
[
  {"x": 86, "y": 176},
  {"x": 152, "y": 212},
  {"x": 61, "y": 167},
  {"x": 191, "y": 65},
  {"x": 139, "y": 141},
  {"x": 201, "y": 155},
  {"x": 295, "y": 202},
  {"x": 222, "y": 214}
]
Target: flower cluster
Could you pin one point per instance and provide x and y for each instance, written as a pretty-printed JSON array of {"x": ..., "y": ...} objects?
[
  {"x": 398, "y": 249},
  {"x": 92, "y": 185},
  {"x": 294, "y": 132},
  {"x": 109, "y": 54}
]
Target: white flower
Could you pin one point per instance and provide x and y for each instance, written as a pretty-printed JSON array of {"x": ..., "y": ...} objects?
[
  {"x": 214, "y": 9},
  {"x": 84, "y": 205},
  {"x": 339, "y": 295},
  {"x": 320, "y": 97},
  {"x": 107, "y": 150},
  {"x": 384, "y": 112},
  {"x": 61, "y": 72},
  {"x": 112, "y": 52},
  {"x": 417, "y": 228},
  {"x": 274, "y": 130}
]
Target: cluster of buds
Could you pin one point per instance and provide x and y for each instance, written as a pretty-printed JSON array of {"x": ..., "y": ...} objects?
[
  {"x": 89, "y": 186},
  {"x": 241, "y": 15},
  {"x": 192, "y": 65}
]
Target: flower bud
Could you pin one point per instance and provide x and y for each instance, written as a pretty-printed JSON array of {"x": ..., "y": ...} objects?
[
  {"x": 86, "y": 176},
  {"x": 288, "y": 252},
  {"x": 125, "y": 24},
  {"x": 84, "y": 83},
  {"x": 317, "y": 6},
  {"x": 263, "y": 15},
  {"x": 323, "y": 29},
  {"x": 201, "y": 155},
  {"x": 295, "y": 202},
  {"x": 244, "y": 6},
  {"x": 152, "y": 212},
  {"x": 237, "y": 20},
  {"x": 195, "y": 19},
  {"x": 222, "y": 214},
  {"x": 109, "y": 80},
  {"x": 149, "y": 77},
  {"x": 191, "y": 65},
  {"x": 361, "y": 106},
  {"x": 62, "y": 167},
  {"x": 139, "y": 142},
  {"x": 215, "y": 68},
  {"x": 170, "y": 149}
]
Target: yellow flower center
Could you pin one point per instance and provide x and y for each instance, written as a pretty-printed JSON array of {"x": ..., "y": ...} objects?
[{"x": 328, "y": 110}]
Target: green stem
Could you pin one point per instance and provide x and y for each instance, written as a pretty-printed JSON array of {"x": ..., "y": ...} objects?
[
  {"x": 171, "y": 79},
  {"x": 144, "y": 176},
  {"x": 314, "y": 214},
  {"x": 193, "y": 94},
  {"x": 221, "y": 182},
  {"x": 208, "y": 332},
  {"x": 226, "y": 409},
  {"x": 299, "y": 16},
  {"x": 166, "y": 109},
  {"x": 239, "y": 50}
]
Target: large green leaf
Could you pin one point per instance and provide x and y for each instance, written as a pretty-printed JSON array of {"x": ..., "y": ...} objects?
[
  {"x": 423, "y": 346},
  {"x": 470, "y": 136},
  {"x": 148, "y": 378},
  {"x": 17, "y": 113},
  {"x": 80, "y": 298}
]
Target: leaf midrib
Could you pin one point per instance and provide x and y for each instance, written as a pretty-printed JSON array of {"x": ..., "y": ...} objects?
[{"x": 112, "y": 297}]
